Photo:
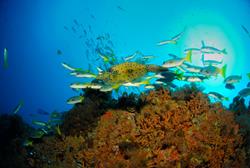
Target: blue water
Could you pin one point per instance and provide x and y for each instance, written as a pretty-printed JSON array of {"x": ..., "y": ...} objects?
[{"x": 34, "y": 30}]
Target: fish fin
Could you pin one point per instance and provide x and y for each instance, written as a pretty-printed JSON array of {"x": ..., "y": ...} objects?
[
  {"x": 179, "y": 76},
  {"x": 224, "y": 51},
  {"x": 202, "y": 58},
  {"x": 116, "y": 87},
  {"x": 202, "y": 43},
  {"x": 147, "y": 82},
  {"x": 172, "y": 55},
  {"x": 248, "y": 85},
  {"x": 188, "y": 57},
  {"x": 89, "y": 67},
  {"x": 79, "y": 70},
  {"x": 58, "y": 130},
  {"x": 223, "y": 71},
  {"x": 174, "y": 42}
]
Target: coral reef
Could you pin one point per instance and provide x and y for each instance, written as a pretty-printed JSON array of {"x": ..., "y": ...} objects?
[
  {"x": 170, "y": 129},
  {"x": 83, "y": 117},
  {"x": 56, "y": 152},
  {"x": 242, "y": 116}
]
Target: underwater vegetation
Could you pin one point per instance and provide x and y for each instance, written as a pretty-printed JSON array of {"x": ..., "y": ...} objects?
[{"x": 166, "y": 128}]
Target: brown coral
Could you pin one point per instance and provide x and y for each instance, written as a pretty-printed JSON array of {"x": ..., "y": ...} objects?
[
  {"x": 54, "y": 152},
  {"x": 179, "y": 129}
]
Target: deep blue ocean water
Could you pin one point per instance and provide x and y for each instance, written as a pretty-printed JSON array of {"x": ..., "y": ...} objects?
[{"x": 34, "y": 30}]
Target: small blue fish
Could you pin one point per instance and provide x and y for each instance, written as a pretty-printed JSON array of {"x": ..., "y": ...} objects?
[
  {"x": 244, "y": 92},
  {"x": 92, "y": 16},
  {"x": 121, "y": 8},
  {"x": 59, "y": 52},
  {"x": 76, "y": 22},
  {"x": 66, "y": 28},
  {"x": 245, "y": 29},
  {"x": 73, "y": 29},
  {"x": 42, "y": 112}
]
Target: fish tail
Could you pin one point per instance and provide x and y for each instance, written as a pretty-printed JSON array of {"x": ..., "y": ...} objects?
[
  {"x": 58, "y": 130},
  {"x": 116, "y": 87},
  {"x": 223, "y": 71},
  {"x": 248, "y": 75},
  {"x": 202, "y": 43},
  {"x": 224, "y": 51},
  {"x": 146, "y": 82},
  {"x": 188, "y": 57},
  {"x": 179, "y": 75}
]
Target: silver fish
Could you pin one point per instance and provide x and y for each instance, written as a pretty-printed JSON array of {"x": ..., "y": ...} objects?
[
  {"x": 173, "y": 40},
  {"x": 214, "y": 71},
  {"x": 75, "y": 100},
  {"x": 177, "y": 61},
  {"x": 149, "y": 87},
  {"x": 67, "y": 66},
  {"x": 106, "y": 88},
  {"x": 194, "y": 78},
  {"x": 233, "y": 79},
  {"x": 85, "y": 85},
  {"x": 218, "y": 96},
  {"x": 211, "y": 50},
  {"x": 191, "y": 68},
  {"x": 130, "y": 57}
]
